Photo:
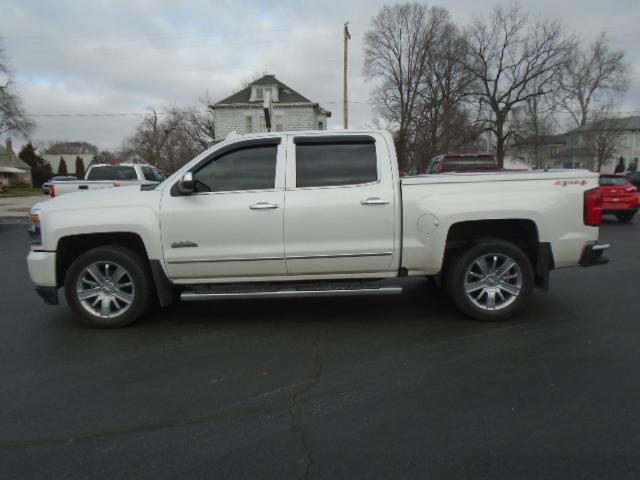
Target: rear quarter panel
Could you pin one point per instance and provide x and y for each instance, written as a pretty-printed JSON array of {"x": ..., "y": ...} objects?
[{"x": 432, "y": 204}]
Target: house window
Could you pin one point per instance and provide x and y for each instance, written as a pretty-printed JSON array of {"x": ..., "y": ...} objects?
[
  {"x": 248, "y": 124},
  {"x": 279, "y": 123},
  {"x": 320, "y": 126},
  {"x": 554, "y": 152},
  {"x": 263, "y": 123},
  {"x": 259, "y": 93}
]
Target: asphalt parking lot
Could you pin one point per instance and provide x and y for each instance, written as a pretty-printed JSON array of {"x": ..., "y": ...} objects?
[{"x": 389, "y": 387}]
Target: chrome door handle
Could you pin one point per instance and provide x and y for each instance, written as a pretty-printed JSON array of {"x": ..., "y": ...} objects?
[
  {"x": 375, "y": 201},
  {"x": 263, "y": 206}
]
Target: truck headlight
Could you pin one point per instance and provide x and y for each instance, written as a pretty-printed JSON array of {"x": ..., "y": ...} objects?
[{"x": 34, "y": 227}]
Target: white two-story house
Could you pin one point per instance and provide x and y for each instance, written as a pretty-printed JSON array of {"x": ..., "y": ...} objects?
[{"x": 243, "y": 111}]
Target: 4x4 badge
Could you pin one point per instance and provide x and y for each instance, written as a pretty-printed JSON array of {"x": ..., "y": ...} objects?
[{"x": 564, "y": 183}]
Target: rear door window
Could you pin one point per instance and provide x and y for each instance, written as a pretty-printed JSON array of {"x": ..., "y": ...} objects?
[{"x": 326, "y": 162}]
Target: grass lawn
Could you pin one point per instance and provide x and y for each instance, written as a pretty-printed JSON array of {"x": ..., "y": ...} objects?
[{"x": 21, "y": 191}]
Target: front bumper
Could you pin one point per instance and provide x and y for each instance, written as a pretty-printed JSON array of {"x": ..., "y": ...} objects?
[
  {"x": 592, "y": 254},
  {"x": 42, "y": 270}
]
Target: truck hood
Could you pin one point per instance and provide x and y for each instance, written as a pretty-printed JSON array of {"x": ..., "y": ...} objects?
[{"x": 99, "y": 199}]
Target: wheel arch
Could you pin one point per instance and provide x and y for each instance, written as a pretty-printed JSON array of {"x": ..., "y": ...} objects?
[
  {"x": 72, "y": 246},
  {"x": 521, "y": 232}
]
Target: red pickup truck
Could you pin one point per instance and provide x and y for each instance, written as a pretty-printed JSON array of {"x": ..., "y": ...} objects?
[{"x": 619, "y": 197}]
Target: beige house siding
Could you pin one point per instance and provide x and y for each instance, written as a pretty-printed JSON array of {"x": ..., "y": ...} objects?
[{"x": 229, "y": 119}]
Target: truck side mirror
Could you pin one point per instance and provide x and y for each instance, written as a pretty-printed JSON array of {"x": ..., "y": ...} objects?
[{"x": 187, "y": 185}]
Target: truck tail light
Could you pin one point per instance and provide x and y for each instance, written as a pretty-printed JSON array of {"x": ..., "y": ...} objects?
[
  {"x": 52, "y": 190},
  {"x": 593, "y": 207}
]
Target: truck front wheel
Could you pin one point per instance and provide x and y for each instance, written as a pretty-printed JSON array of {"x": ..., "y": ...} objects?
[
  {"x": 491, "y": 280},
  {"x": 108, "y": 287}
]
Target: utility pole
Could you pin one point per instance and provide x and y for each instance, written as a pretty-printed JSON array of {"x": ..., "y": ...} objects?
[{"x": 345, "y": 106}]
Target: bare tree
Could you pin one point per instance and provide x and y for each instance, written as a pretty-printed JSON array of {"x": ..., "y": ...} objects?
[
  {"x": 601, "y": 139},
  {"x": 443, "y": 119},
  {"x": 197, "y": 123},
  {"x": 396, "y": 52},
  {"x": 507, "y": 53},
  {"x": 70, "y": 147},
  {"x": 13, "y": 117},
  {"x": 161, "y": 140},
  {"x": 532, "y": 121},
  {"x": 591, "y": 78},
  {"x": 149, "y": 140}
]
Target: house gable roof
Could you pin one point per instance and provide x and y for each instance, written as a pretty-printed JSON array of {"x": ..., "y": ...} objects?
[
  {"x": 627, "y": 123},
  {"x": 539, "y": 140},
  {"x": 286, "y": 94}
]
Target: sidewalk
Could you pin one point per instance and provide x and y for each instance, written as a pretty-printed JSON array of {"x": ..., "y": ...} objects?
[{"x": 17, "y": 207}]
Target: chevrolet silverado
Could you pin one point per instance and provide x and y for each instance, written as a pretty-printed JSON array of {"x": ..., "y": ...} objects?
[{"x": 291, "y": 214}]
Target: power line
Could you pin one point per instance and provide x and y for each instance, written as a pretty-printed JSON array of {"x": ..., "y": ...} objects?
[
  {"x": 175, "y": 46},
  {"x": 194, "y": 33},
  {"x": 142, "y": 114}
]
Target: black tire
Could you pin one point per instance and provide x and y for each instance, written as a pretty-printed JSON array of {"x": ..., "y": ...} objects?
[
  {"x": 458, "y": 271},
  {"x": 140, "y": 292},
  {"x": 625, "y": 217}
]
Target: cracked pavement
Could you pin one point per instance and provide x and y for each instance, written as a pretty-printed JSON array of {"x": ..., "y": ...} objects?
[{"x": 393, "y": 387}]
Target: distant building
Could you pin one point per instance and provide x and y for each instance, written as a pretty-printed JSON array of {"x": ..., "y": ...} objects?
[
  {"x": 542, "y": 151},
  {"x": 579, "y": 150},
  {"x": 13, "y": 171},
  {"x": 243, "y": 111},
  {"x": 69, "y": 159}
]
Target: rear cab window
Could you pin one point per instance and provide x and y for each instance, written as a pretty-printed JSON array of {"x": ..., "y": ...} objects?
[
  {"x": 469, "y": 162},
  {"x": 613, "y": 181},
  {"x": 335, "y": 161},
  {"x": 112, "y": 173}
]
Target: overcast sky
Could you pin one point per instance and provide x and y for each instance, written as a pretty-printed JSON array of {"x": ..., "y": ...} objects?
[{"x": 112, "y": 56}]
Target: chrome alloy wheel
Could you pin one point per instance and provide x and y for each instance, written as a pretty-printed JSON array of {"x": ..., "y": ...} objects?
[
  {"x": 493, "y": 281},
  {"x": 105, "y": 289}
]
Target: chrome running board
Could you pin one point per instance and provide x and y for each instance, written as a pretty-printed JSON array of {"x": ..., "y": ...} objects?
[{"x": 212, "y": 293}]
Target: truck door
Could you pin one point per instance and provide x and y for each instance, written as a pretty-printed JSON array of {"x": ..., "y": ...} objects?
[
  {"x": 340, "y": 205},
  {"x": 232, "y": 226}
]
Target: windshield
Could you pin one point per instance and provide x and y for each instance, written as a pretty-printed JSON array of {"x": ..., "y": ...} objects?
[
  {"x": 460, "y": 164},
  {"x": 613, "y": 181},
  {"x": 112, "y": 173}
]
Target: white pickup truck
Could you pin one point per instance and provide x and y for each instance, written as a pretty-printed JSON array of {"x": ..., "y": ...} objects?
[
  {"x": 108, "y": 176},
  {"x": 292, "y": 214}
]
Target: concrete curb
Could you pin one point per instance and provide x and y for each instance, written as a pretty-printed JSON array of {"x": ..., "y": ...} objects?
[
  {"x": 14, "y": 220},
  {"x": 21, "y": 195}
]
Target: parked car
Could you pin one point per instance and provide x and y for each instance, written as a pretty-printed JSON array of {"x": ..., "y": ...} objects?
[
  {"x": 463, "y": 162},
  {"x": 619, "y": 197},
  {"x": 634, "y": 178},
  {"x": 47, "y": 185},
  {"x": 108, "y": 176},
  {"x": 294, "y": 214}
]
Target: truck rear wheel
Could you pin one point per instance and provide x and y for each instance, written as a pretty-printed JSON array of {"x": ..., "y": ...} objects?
[
  {"x": 108, "y": 287},
  {"x": 491, "y": 280}
]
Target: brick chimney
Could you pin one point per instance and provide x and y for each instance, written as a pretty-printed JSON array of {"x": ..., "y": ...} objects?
[{"x": 8, "y": 159}]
